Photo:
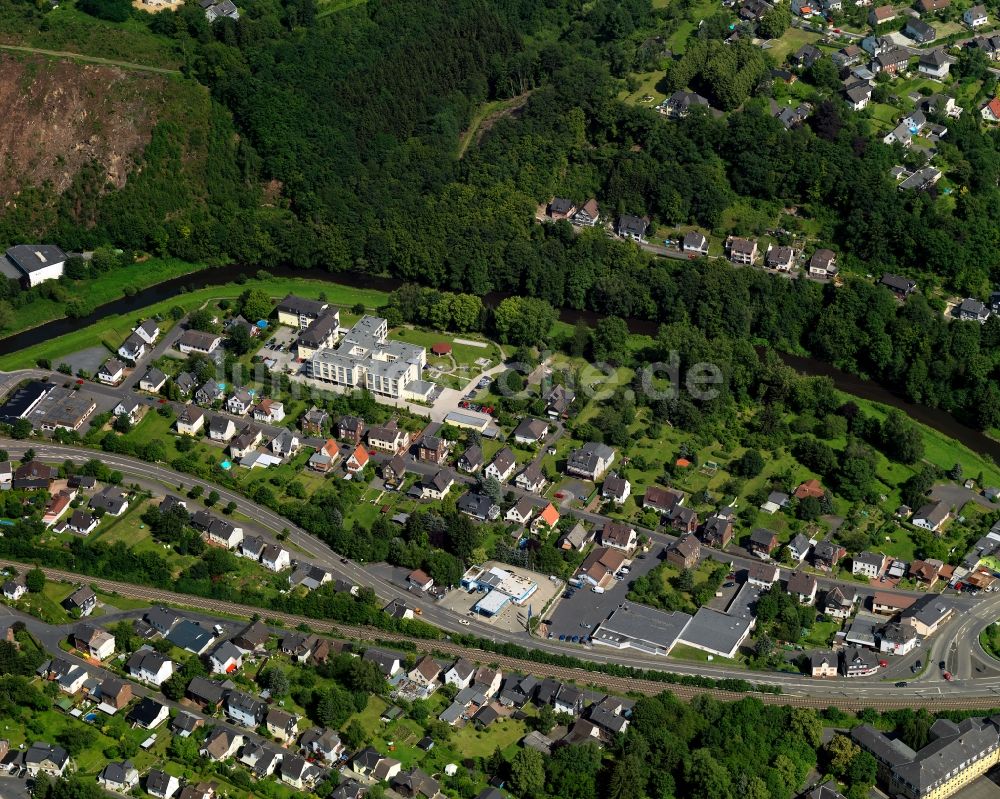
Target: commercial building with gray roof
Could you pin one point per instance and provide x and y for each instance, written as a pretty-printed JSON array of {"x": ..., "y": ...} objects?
[{"x": 634, "y": 626}]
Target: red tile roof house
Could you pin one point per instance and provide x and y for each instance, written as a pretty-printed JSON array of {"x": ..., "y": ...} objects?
[
  {"x": 810, "y": 488},
  {"x": 991, "y": 111}
]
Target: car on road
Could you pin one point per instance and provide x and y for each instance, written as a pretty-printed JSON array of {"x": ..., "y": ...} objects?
[
  {"x": 942, "y": 665},
  {"x": 901, "y": 684},
  {"x": 343, "y": 560},
  {"x": 464, "y": 622},
  {"x": 728, "y": 584},
  {"x": 584, "y": 625},
  {"x": 948, "y": 676}
]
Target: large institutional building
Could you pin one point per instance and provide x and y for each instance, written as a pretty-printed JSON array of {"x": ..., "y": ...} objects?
[
  {"x": 367, "y": 358},
  {"x": 957, "y": 755}
]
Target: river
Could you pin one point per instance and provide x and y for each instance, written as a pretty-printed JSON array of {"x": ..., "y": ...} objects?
[{"x": 938, "y": 419}]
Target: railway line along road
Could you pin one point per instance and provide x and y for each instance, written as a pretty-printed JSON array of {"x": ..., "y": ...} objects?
[{"x": 927, "y": 689}]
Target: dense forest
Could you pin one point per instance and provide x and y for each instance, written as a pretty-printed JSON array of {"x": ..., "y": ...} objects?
[{"x": 332, "y": 142}]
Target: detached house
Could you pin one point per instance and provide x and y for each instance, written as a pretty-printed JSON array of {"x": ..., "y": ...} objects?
[
  {"x": 803, "y": 587},
  {"x": 717, "y": 531},
  {"x": 823, "y": 263},
  {"x": 558, "y": 402},
  {"x": 96, "y": 642},
  {"x": 191, "y": 420},
  {"x": 324, "y": 459},
  {"x": 547, "y": 519},
  {"x": 83, "y": 600},
  {"x": 868, "y": 563},
  {"x": 521, "y": 511},
  {"x": 919, "y": 31},
  {"x": 684, "y": 553},
  {"x": 662, "y": 499},
  {"x": 438, "y": 486},
  {"x": 460, "y": 674},
  {"x": 587, "y": 215},
  {"x": 858, "y": 96},
  {"x": 389, "y": 437},
  {"x": 221, "y": 744},
  {"x": 358, "y": 460},
  {"x": 120, "y": 777},
  {"x": 781, "y": 259},
  {"x": 245, "y": 709},
  {"x": 269, "y": 411},
  {"x": 827, "y": 554},
  {"x": 239, "y": 402},
  {"x": 314, "y": 421},
  {"x": 975, "y": 17},
  {"x": 112, "y": 501},
  {"x": 591, "y": 461},
  {"x": 132, "y": 349},
  {"x": 633, "y": 227},
  {"x": 741, "y": 251},
  {"x": 839, "y": 602},
  {"x": 932, "y": 516},
  {"x": 478, "y": 506},
  {"x": 471, "y": 460},
  {"x": 900, "y": 286},
  {"x": 991, "y": 110},
  {"x": 432, "y": 449},
  {"x": 350, "y": 429},
  {"x": 561, "y": 208},
  {"x": 763, "y": 542},
  {"x": 531, "y": 479},
  {"x": 618, "y": 535},
  {"x": 147, "y": 665},
  {"x": 281, "y": 724},
  {"x": 934, "y": 64},
  {"x": 891, "y": 61},
  {"x": 111, "y": 371},
  {"x": 881, "y": 14},
  {"x": 530, "y": 431},
  {"x": 226, "y": 658},
  {"x": 695, "y": 243},
  {"x": 209, "y": 393},
  {"x": 502, "y": 466},
  {"x": 198, "y": 341},
  {"x": 616, "y": 488}
]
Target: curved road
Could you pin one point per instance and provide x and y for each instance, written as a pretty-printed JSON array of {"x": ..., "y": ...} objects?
[{"x": 927, "y": 687}]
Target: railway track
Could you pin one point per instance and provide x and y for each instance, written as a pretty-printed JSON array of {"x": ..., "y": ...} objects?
[{"x": 595, "y": 679}]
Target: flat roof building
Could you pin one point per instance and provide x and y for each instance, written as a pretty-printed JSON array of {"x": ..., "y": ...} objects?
[
  {"x": 635, "y": 626},
  {"x": 62, "y": 407},
  {"x": 367, "y": 358},
  {"x": 722, "y": 633},
  {"x": 33, "y": 263}
]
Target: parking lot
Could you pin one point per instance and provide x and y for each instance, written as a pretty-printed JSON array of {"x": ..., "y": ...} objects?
[
  {"x": 584, "y": 610},
  {"x": 513, "y": 617}
]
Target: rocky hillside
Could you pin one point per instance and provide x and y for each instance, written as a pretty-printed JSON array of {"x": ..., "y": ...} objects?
[{"x": 60, "y": 115}]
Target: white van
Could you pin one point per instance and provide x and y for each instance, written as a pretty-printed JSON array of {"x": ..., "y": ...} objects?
[{"x": 597, "y": 589}]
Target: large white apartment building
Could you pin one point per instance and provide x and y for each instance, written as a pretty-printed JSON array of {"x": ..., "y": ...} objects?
[{"x": 367, "y": 358}]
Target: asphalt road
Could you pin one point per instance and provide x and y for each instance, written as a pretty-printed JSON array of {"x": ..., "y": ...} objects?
[{"x": 450, "y": 621}]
